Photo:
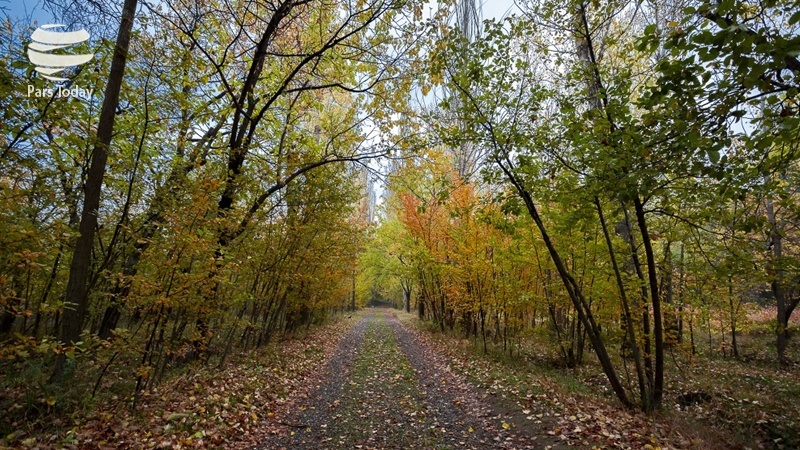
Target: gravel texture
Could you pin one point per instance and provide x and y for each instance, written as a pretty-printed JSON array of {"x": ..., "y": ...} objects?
[{"x": 386, "y": 387}]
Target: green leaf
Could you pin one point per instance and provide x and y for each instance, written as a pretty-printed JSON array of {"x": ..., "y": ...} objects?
[{"x": 713, "y": 155}]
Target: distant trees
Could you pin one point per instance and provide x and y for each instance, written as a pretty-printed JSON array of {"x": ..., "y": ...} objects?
[{"x": 648, "y": 146}]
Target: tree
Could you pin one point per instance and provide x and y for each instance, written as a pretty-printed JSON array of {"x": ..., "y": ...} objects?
[
  {"x": 82, "y": 254},
  {"x": 736, "y": 63}
]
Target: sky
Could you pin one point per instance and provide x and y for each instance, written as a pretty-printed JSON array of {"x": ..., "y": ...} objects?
[
  {"x": 18, "y": 9},
  {"x": 497, "y": 8}
]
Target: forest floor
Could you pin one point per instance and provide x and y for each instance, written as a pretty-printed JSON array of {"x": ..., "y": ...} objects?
[
  {"x": 368, "y": 381},
  {"x": 381, "y": 379},
  {"x": 747, "y": 402}
]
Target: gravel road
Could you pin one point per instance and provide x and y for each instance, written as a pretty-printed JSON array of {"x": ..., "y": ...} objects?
[{"x": 385, "y": 387}]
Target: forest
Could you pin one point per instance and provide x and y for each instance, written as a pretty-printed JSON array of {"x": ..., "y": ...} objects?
[{"x": 584, "y": 213}]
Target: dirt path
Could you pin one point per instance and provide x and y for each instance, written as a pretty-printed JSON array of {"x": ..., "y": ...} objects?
[{"x": 385, "y": 388}]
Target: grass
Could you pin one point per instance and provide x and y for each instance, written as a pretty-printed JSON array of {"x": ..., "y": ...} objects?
[{"x": 381, "y": 390}]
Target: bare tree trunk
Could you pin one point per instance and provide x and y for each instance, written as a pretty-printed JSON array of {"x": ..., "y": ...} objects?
[
  {"x": 571, "y": 286},
  {"x": 407, "y": 297},
  {"x": 637, "y": 265},
  {"x": 778, "y": 288},
  {"x": 681, "y": 288},
  {"x": 637, "y": 357},
  {"x": 353, "y": 293},
  {"x": 734, "y": 310},
  {"x": 655, "y": 298},
  {"x": 77, "y": 287}
]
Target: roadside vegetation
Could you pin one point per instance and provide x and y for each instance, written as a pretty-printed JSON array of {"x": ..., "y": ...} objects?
[{"x": 596, "y": 202}]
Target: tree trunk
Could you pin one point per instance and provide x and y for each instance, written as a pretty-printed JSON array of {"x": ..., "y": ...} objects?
[
  {"x": 778, "y": 289},
  {"x": 631, "y": 328},
  {"x": 406, "y": 297},
  {"x": 76, "y": 304},
  {"x": 643, "y": 295},
  {"x": 734, "y": 310},
  {"x": 353, "y": 293},
  {"x": 658, "y": 330},
  {"x": 572, "y": 288},
  {"x": 681, "y": 288}
]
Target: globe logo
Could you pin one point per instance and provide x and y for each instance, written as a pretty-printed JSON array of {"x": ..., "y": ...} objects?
[{"x": 44, "y": 42}]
